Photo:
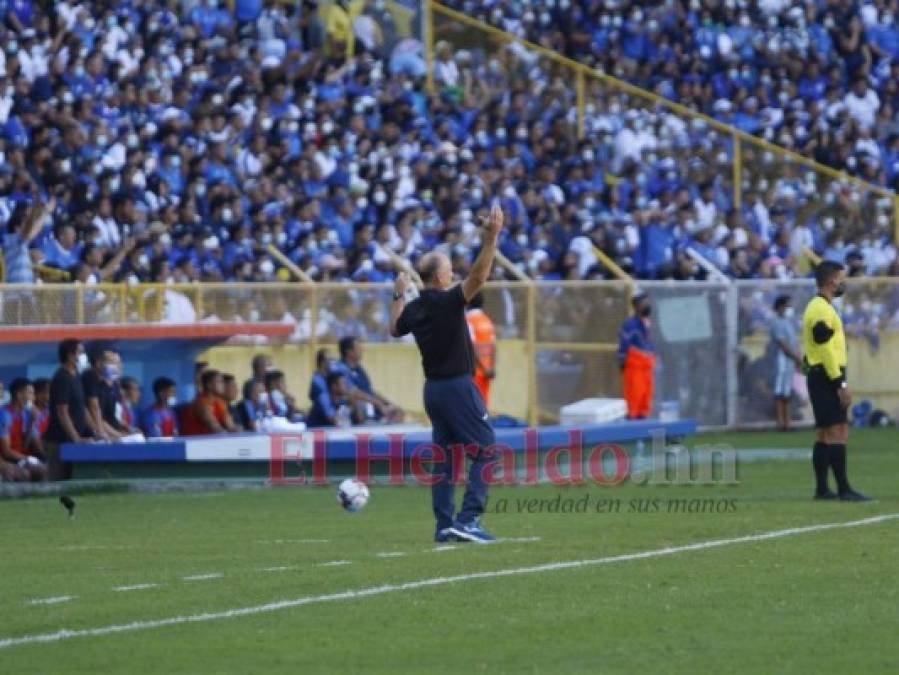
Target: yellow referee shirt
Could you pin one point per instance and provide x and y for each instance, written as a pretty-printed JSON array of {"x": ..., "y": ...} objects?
[{"x": 823, "y": 338}]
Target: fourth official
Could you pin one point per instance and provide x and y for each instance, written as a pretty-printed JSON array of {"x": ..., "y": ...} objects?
[{"x": 825, "y": 362}]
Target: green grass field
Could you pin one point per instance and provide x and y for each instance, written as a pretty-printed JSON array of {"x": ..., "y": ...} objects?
[{"x": 823, "y": 601}]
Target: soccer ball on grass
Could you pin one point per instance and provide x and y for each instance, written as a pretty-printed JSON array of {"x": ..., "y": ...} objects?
[{"x": 352, "y": 494}]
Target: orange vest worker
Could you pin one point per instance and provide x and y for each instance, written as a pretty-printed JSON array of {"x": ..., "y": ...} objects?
[
  {"x": 637, "y": 359},
  {"x": 483, "y": 337}
]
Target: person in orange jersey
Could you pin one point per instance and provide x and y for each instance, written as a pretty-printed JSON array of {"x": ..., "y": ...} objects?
[
  {"x": 208, "y": 413},
  {"x": 636, "y": 358},
  {"x": 483, "y": 338}
]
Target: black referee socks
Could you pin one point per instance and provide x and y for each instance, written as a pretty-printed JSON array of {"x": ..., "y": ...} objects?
[
  {"x": 821, "y": 455},
  {"x": 838, "y": 462}
]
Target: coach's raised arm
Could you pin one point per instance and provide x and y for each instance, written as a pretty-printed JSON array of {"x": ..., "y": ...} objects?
[{"x": 483, "y": 264}]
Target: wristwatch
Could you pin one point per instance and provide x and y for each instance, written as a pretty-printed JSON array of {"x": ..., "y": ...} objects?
[{"x": 397, "y": 296}]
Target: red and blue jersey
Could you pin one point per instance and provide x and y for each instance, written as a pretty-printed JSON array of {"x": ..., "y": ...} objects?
[
  {"x": 17, "y": 425},
  {"x": 41, "y": 422},
  {"x": 159, "y": 422}
]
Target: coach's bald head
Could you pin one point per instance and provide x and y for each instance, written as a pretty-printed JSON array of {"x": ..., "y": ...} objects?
[{"x": 436, "y": 271}]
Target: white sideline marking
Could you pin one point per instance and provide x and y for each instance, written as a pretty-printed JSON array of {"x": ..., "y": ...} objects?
[
  {"x": 334, "y": 563},
  {"x": 134, "y": 587},
  {"x": 55, "y": 600},
  {"x": 390, "y": 554},
  {"x": 203, "y": 577},
  {"x": 277, "y": 568},
  {"x": 501, "y": 540},
  {"x": 95, "y": 547},
  {"x": 67, "y": 634},
  {"x": 293, "y": 541}
]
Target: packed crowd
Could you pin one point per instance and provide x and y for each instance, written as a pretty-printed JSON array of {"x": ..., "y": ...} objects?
[
  {"x": 155, "y": 141},
  {"x": 89, "y": 399},
  {"x": 817, "y": 76}
]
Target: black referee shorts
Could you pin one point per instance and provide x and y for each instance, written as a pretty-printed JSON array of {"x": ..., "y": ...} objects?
[{"x": 825, "y": 401}]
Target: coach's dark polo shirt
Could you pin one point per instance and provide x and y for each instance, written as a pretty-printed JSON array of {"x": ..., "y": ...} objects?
[{"x": 437, "y": 320}]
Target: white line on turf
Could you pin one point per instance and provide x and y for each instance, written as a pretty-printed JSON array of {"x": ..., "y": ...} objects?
[
  {"x": 203, "y": 577},
  {"x": 390, "y": 554},
  {"x": 68, "y": 634},
  {"x": 55, "y": 600},
  {"x": 133, "y": 587},
  {"x": 293, "y": 541},
  {"x": 95, "y": 547},
  {"x": 448, "y": 547},
  {"x": 276, "y": 568},
  {"x": 334, "y": 563}
]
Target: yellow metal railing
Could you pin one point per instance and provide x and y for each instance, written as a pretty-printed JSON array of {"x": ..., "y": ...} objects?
[
  {"x": 557, "y": 340},
  {"x": 443, "y": 23},
  {"x": 532, "y": 317}
]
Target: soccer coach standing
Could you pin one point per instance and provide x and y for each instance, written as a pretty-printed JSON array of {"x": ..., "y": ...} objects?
[
  {"x": 825, "y": 357},
  {"x": 457, "y": 411}
]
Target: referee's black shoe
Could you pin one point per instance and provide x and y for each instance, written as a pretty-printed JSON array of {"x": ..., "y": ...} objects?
[
  {"x": 853, "y": 496},
  {"x": 826, "y": 496}
]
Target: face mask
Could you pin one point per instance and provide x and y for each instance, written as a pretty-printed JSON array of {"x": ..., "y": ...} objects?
[
  {"x": 29, "y": 405},
  {"x": 789, "y": 312},
  {"x": 267, "y": 267},
  {"x": 171, "y": 401},
  {"x": 840, "y": 290},
  {"x": 111, "y": 371},
  {"x": 82, "y": 363},
  {"x": 645, "y": 311}
]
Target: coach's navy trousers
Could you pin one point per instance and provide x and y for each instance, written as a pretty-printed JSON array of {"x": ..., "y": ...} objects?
[{"x": 460, "y": 421}]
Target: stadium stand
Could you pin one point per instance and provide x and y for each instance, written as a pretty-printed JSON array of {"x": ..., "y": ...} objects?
[
  {"x": 182, "y": 144},
  {"x": 818, "y": 76}
]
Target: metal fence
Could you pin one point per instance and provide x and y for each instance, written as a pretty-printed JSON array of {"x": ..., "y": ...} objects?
[{"x": 715, "y": 362}]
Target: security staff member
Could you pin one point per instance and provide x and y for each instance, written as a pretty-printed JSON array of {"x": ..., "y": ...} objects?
[
  {"x": 825, "y": 362},
  {"x": 458, "y": 415},
  {"x": 483, "y": 338},
  {"x": 637, "y": 359}
]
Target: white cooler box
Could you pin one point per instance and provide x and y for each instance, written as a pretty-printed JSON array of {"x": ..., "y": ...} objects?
[{"x": 593, "y": 411}]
